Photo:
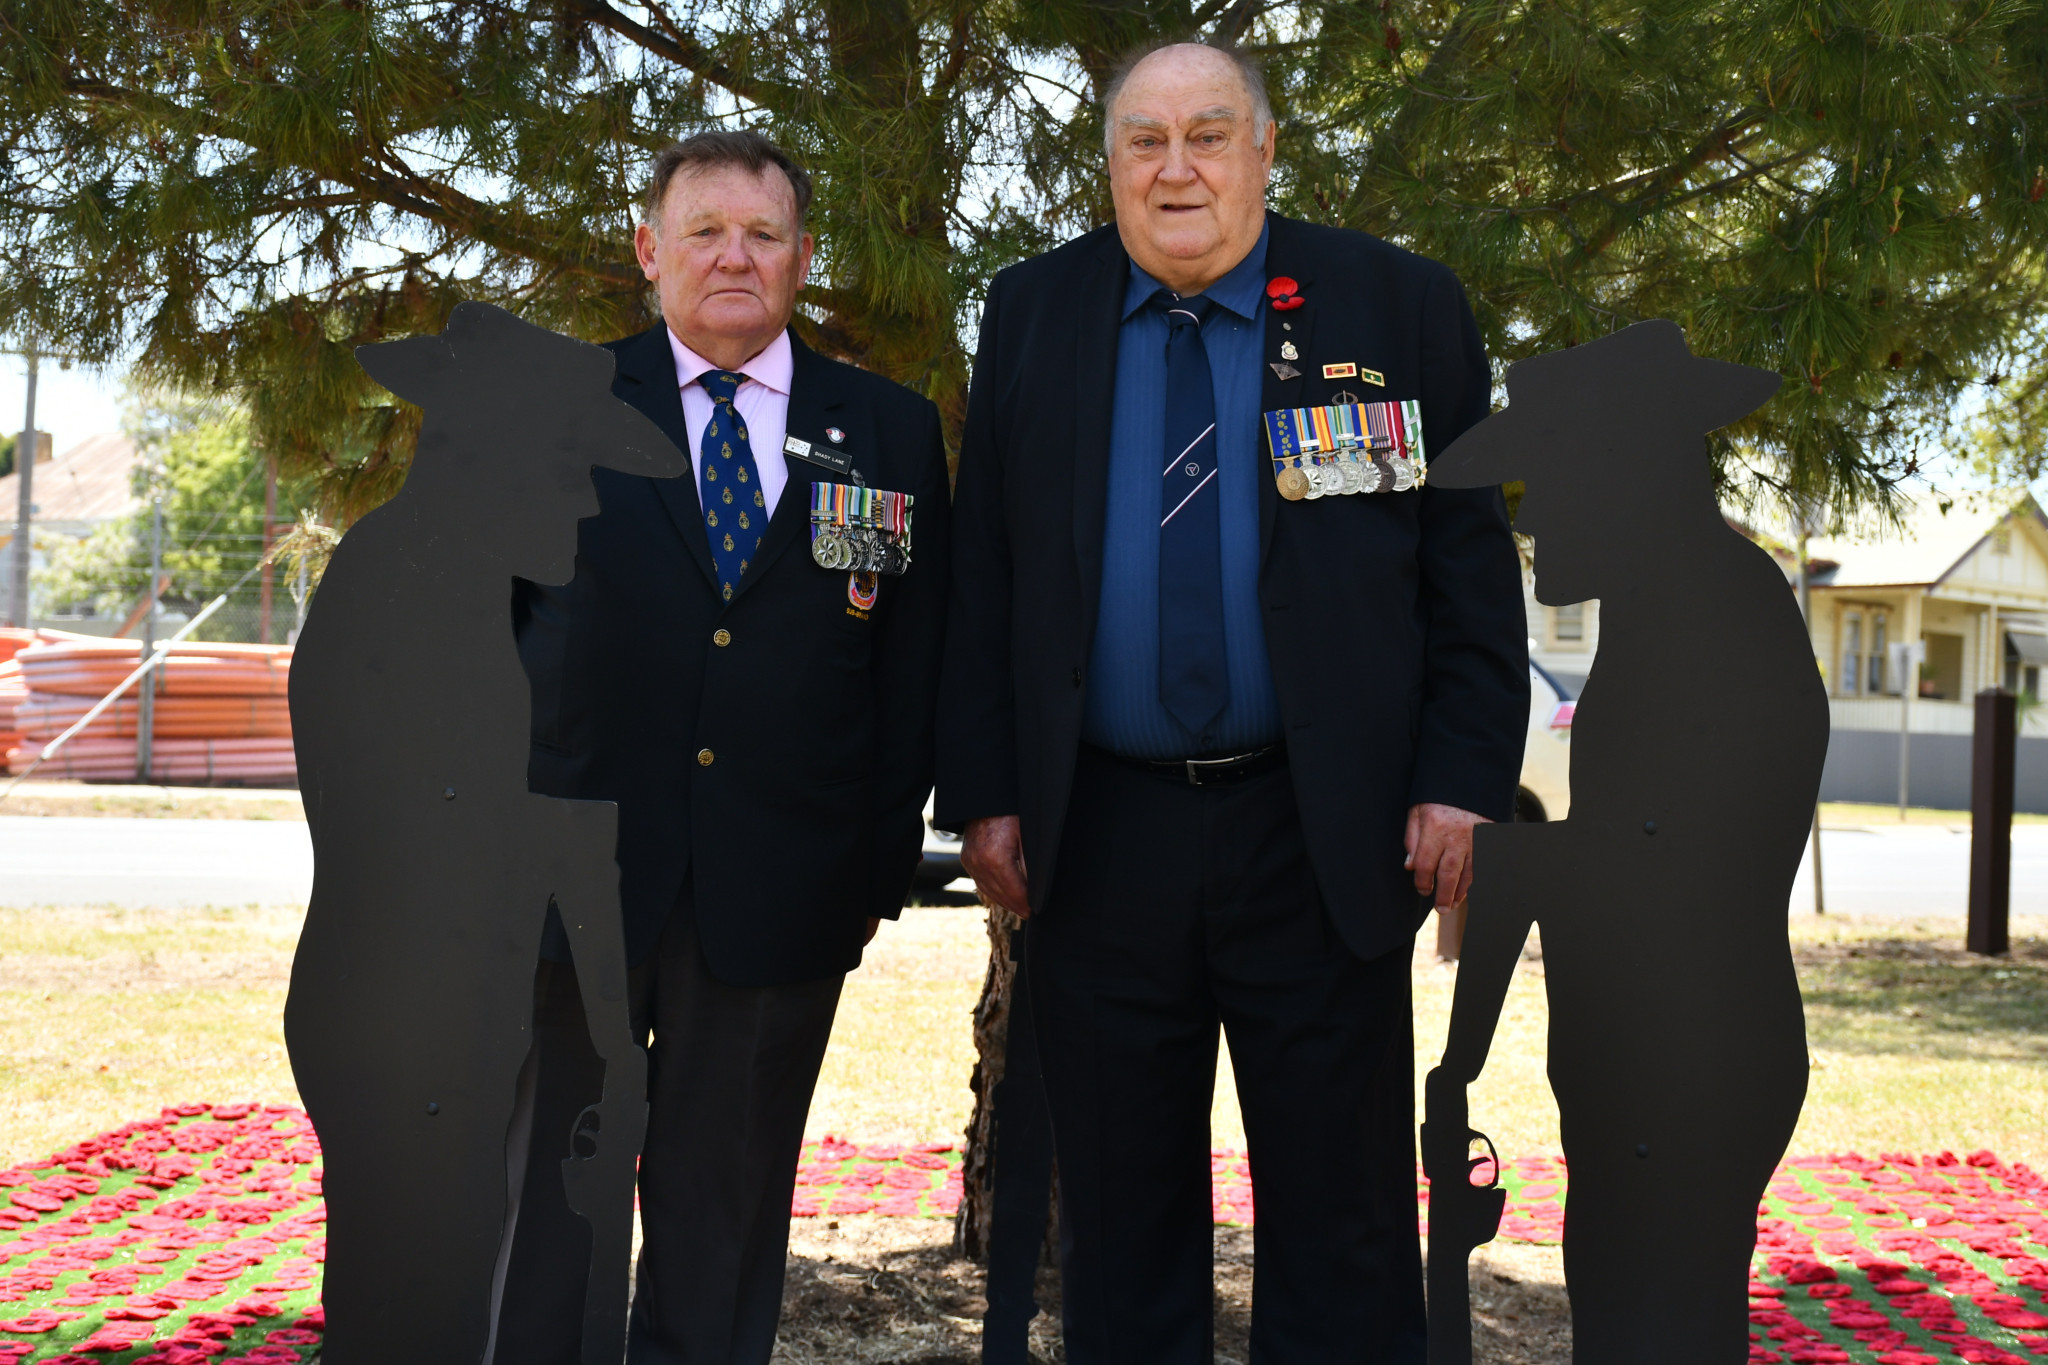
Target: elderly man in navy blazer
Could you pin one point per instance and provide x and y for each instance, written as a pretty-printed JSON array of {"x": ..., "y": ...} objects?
[
  {"x": 1211, "y": 721},
  {"x": 761, "y": 709}
]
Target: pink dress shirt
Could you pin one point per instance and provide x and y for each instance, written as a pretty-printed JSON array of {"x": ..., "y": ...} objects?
[{"x": 763, "y": 401}]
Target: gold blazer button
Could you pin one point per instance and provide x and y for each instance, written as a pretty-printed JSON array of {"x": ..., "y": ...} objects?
[
  {"x": 721, "y": 638},
  {"x": 704, "y": 758}
]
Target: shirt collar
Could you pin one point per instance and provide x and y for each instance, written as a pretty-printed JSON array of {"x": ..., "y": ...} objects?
[
  {"x": 1241, "y": 291},
  {"x": 773, "y": 368}
]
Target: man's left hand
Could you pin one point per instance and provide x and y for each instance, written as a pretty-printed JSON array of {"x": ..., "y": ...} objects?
[{"x": 1439, "y": 845}]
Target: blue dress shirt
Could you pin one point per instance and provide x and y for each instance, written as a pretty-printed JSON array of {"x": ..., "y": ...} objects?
[{"x": 1123, "y": 712}]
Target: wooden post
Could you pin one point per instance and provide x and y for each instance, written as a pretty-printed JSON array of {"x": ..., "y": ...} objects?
[
  {"x": 1450, "y": 932},
  {"x": 1993, "y": 752}
]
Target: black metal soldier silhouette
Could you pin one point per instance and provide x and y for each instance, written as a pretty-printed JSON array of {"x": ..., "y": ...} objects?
[
  {"x": 1677, "y": 1042},
  {"x": 411, "y": 996}
]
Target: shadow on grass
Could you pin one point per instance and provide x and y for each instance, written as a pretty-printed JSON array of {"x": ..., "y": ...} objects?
[{"x": 1926, "y": 997}]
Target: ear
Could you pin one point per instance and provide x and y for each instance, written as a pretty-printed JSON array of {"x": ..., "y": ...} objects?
[
  {"x": 1724, "y": 392},
  {"x": 411, "y": 368}
]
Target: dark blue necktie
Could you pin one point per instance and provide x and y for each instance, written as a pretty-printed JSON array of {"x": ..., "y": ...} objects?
[
  {"x": 735, "y": 512},
  {"x": 1194, "y": 681}
]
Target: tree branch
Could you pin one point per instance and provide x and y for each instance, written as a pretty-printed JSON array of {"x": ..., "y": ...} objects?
[{"x": 678, "y": 46}]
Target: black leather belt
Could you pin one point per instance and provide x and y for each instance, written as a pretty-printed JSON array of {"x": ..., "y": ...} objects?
[{"x": 1210, "y": 772}]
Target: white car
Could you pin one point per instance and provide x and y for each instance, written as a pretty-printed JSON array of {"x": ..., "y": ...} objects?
[{"x": 1545, "y": 791}]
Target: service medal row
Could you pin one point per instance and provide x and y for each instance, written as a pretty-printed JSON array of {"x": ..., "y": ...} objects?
[
  {"x": 864, "y": 530},
  {"x": 1346, "y": 448},
  {"x": 1346, "y": 472}
]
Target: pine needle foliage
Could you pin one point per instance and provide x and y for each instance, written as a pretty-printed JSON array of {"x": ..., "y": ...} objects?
[{"x": 238, "y": 192}]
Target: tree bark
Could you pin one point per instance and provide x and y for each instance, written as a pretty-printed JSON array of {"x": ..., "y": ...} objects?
[{"x": 972, "y": 1224}]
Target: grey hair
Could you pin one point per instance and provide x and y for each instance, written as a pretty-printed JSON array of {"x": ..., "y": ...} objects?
[{"x": 1248, "y": 70}]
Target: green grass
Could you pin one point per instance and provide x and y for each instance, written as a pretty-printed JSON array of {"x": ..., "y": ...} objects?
[{"x": 107, "y": 1014}]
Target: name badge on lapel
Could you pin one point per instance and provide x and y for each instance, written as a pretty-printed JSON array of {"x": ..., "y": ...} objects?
[
  {"x": 1346, "y": 448},
  {"x": 838, "y": 461},
  {"x": 865, "y": 530}
]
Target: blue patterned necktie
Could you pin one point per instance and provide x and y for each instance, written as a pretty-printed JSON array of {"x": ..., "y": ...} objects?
[
  {"x": 735, "y": 512},
  {"x": 1194, "y": 678}
]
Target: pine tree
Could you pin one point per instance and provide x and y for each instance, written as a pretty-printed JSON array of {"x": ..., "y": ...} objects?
[{"x": 1850, "y": 192}]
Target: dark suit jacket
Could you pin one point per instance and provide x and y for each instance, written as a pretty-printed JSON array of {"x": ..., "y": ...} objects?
[
  {"x": 1394, "y": 622},
  {"x": 783, "y": 773}
]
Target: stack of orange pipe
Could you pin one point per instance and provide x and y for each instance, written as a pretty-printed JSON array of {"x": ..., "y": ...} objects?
[
  {"x": 13, "y": 694},
  {"x": 221, "y": 711},
  {"x": 13, "y": 690}
]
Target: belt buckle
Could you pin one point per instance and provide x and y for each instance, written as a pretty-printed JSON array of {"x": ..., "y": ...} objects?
[{"x": 1197, "y": 766}]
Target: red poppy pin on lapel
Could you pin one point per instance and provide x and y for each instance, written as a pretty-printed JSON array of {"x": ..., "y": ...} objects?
[{"x": 1282, "y": 291}]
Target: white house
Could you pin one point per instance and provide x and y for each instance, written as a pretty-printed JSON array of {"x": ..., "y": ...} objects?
[
  {"x": 1967, "y": 578},
  {"x": 76, "y": 491}
]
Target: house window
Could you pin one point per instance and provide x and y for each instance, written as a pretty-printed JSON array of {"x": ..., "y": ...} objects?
[
  {"x": 2025, "y": 654},
  {"x": 1863, "y": 662},
  {"x": 1569, "y": 624}
]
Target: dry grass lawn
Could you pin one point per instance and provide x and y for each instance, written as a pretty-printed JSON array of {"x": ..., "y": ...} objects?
[{"x": 107, "y": 1014}]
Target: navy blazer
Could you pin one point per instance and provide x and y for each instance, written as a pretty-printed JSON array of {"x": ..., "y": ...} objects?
[
  {"x": 776, "y": 750},
  {"x": 1394, "y": 623}
]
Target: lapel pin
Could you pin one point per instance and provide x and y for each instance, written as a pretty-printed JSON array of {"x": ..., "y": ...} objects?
[
  {"x": 834, "y": 435},
  {"x": 1288, "y": 351},
  {"x": 1373, "y": 377},
  {"x": 1283, "y": 291},
  {"x": 1285, "y": 370},
  {"x": 797, "y": 446},
  {"x": 1346, "y": 371}
]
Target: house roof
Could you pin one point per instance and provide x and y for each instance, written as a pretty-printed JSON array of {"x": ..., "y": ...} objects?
[
  {"x": 1922, "y": 551},
  {"x": 87, "y": 482}
]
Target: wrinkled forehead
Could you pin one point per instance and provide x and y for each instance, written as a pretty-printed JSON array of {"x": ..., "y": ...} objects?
[
  {"x": 1182, "y": 84},
  {"x": 729, "y": 194}
]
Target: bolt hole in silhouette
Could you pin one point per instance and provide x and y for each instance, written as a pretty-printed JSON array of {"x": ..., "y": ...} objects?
[
  {"x": 410, "y": 1013},
  {"x": 1677, "y": 1046}
]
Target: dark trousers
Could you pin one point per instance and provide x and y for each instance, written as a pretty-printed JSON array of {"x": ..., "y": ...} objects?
[
  {"x": 1177, "y": 908},
  {"x": 729, "y": 1082}
]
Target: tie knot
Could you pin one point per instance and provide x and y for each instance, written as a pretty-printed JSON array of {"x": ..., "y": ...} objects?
[
  {"x": 1181, "y": 312},
  {"x": 721, "y": 384}
]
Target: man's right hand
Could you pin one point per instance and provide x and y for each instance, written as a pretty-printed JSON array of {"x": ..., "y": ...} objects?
[{"x": 992, "y": 852}]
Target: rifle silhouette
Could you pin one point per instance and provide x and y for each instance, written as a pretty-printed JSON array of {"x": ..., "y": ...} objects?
[{"x": 1464, "y": 1216}]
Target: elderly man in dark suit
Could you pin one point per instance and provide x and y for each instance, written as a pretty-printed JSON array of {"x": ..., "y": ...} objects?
[
  {"x": 1213, "y": 736},
  {"x": 746, "y": 661}
]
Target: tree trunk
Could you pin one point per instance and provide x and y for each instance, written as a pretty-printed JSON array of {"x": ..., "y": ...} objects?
[{"x": 972, "y": 1224}]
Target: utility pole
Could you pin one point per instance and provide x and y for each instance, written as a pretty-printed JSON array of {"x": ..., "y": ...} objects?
[
  {"x": 25, "y": 465},
  {"x": 145, "y": 700},
  {"x": 265, "y": 595},
  {"x": 1906, "y": 656},
  {"x": 1820, "y": 904}
]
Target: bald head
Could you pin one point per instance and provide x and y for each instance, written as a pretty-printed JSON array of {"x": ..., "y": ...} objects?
[
  {"x": 1190, "y": 154},
  {"x": 1251, "y": 80}
]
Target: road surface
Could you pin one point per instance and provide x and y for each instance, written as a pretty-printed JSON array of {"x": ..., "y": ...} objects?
[
  {"x": 1908, "y": 870},
  {"x": 87, "y": 860}
]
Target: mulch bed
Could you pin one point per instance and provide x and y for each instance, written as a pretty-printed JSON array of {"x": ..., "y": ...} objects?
[{"x": 196, "y": 1237}]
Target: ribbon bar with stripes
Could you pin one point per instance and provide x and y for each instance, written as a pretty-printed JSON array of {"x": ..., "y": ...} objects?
[{"x": 1346, "y": 448}]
